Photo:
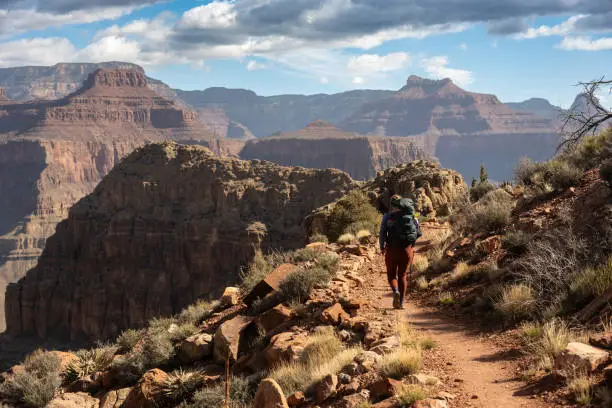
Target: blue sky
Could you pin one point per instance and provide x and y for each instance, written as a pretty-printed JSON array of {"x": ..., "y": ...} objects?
[{"x": 515, "y": 49}]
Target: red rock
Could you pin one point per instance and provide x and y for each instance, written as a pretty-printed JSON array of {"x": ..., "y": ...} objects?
[
  {"x": 195, "y": 348},
  {"x": 227, "y": 338},
  {"x": 296, "y": 399},
  {"x": 148, "y": 392},
  {"x": 490, "y": 244},
  {"x": 286, "y": 346},
  {"x": 326, "y": 388},
  {"x": 388, "y": 403},
  {"x": 384, "y": 388},
  {"x": 335, "y": 315},
  {"x": 73, "y": 400},
  {"x": 601, "y": 340},
  {"x": 431, "y": 403},
  {"x": 269, "y": 395},
  {"x": 269, "y": 284},
  {"x": 114, "y": 398},
  {"x": 580, "y": 357},
  {"x": 274, "y": 317},
  {"x": 230, "y": 297}
]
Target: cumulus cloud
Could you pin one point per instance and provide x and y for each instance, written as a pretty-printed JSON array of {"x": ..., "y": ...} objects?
[
  {"x": 437, "y": 68},
  {"x": 564, "y": 28},
  {"x": 253, "y": 65},
  {"x": 586, "y": 44},
  {"x": 367, "y": 64},
  {"x": 43, "y": 51}
]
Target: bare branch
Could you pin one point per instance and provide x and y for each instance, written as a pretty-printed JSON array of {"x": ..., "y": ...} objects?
[{"x": 578, "y": 124}]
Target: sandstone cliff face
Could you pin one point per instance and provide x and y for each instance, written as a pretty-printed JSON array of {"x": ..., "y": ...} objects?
[
  {"x": 321, "y": 145},
  {"x": 170, "y": 223},
  {"x": 53, "y": 153}
]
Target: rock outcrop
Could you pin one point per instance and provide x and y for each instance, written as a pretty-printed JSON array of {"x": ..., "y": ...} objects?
[
  {"x": 440, "y": 111},
  {"x": 52, "y": 153},
  {"x": 169, "y": 224},
  {"x": 321, "y": 145}
]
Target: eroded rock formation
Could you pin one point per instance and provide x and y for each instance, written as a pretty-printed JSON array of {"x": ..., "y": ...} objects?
[
  {"x": 321, "y": 145},
  {"x": 170, "y": 223},
  {"x": 52, "y": 153}
]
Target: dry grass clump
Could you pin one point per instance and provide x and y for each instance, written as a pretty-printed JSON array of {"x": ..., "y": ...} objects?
[
  {"x": 182, "y": 384},
  {"x": 408, "y": 394},
  {"x": 428, "y": 343},
  {"x": 352, "y": 213},
  {"x": 531, "y": 331},
  {"x": 363, "y": 236},
  {"x": 446, "y": 299},
  {"x": 420, "y": 264},
  {"x": 37, "y": 384},
  {"x": 581, "y": 387},
  {"x": 516, "y": 242},
  {"x": 89, "y": 362},
  {"x": 298, "y": 285},
  {"x": 261, "y": 266},
  {"x": 590, "y": 283},
  {"x": 461, "y": 273},
  {"x": 128, "y": 339},
  {"x": 319, "y": 238},
  {"x": 516, "y": 302},
  {"x": 400, "y": 363},
  {"x": 554, "y": 338},
  {"x": 324, "y": 354},
  {"x": 197, "y": 312},
  {"x": 421, "y": 283},
  {"x": 346, "y": 238}
]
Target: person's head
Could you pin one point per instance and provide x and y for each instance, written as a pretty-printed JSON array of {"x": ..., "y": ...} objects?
[{"x": 395, "y": 203}]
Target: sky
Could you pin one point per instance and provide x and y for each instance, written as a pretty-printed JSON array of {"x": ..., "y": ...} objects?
[{"x": 515, "y": 49}]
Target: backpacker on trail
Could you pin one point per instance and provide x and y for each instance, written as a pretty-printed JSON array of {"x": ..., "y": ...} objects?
[{"x": 402, "y": 227}]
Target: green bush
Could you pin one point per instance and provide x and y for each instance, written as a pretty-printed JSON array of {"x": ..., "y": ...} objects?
[
  {"x": 591, "y": 152},
  {"x": 306, "y": 255},
  {"x": 241, "y": 395},
  {"x": 480, "y": 190},
  {"x": 128, "y": 339},
  {"x": 37, "y": 384},
  {"x": 353, "y": 213},
  {"x": 329, "y": 261},
  {"x": 589, "y": 284},
  {"x": 491, "y": 213},
  {"x": 556, "y": 174},
  {"x": 298, "y": 285},
  {"x": 516, "y": 242},
  {"x": 196, "y": 313}
]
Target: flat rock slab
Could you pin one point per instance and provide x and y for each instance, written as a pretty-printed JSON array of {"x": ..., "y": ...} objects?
[
  {"x": 269, "y": 284},
  {"x": 270, "y": 395},
  {"x": 580, "y": 357},
  {"x": 227, "y": 338}
]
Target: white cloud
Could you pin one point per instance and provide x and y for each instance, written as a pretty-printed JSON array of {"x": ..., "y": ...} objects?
[
  {"x": 562, "y": 29},
  {"x": 111, "y": 48},
  {"x": 463, "y": 47},
  {"x": 367, "y": 64},
  {"x": 324, "y": 80},
  {"x": 358, "y": 80},
  {"x": 218, "y": 14},
  {"x": 253, "y": 65},
  {"x": 437, "y": 68},
  {"x": 586, "y": 44},
  {"x": 36, "y": 51}
]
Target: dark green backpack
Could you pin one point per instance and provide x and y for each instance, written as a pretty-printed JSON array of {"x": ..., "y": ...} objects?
[{"x": 403, "y": 229}]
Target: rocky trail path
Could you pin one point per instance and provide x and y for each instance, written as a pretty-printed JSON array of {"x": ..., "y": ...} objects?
[{"x": 477, "y": 372}]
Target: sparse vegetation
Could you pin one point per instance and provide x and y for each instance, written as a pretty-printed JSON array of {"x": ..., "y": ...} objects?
[
  {"x": 421, "y": 283},
  {"x": 516, "y": 242},
  {"x": 555, "y": 336},
  {"x": 319, "y": 238},
  {"x": 461, "y": 273},
  {"x": 420, "y": 264},
  {"x": 128, "y": 339},
  {"x": 581, "y": 386},
  {"x": 298, "y": 285},
  {"x": 446, "y": 299},
  {"x": 491, "y": 213},
  {"x": 88, "y": 362},
  {"x": 241, "y": 395},
  {"x": 545, "y": 177},
  {"x": 363, "y": 236},
  {"x": 36, "y": 385},
  {"x": 306, "y": 255},
  {"x": 590, "y": 283},
  {"x": 352, "y": 213},
  {"x": 346, "y": 238},
  {"x": 261, "y": 266},
  {"x": 197, "y": 312},
  {"x": 480, "y": 190},
  {"x": 428, "y": 343},
  {"x": 409, "y": 394},
  {"x": 400, "y": 363},
  {"x": 181, "y": 385},
  {"x": 531, "y": 331},
  {"x": 329, "y": 261},
  {"x": 516, "y": 302}
]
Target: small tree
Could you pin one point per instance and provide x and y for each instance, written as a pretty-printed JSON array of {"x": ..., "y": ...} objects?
[
  {"x": 484, "y": 176},
  {"x": 474, "y": 182}
]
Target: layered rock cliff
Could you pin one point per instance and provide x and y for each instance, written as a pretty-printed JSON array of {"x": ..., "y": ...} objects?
[
  {"x": 52, "y": 153},
  {"x": 169, "y": 224},
  {"x": 321, "y": 145}
]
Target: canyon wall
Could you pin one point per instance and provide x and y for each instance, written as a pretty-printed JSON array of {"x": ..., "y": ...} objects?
[{"x": 169, "y": 224}]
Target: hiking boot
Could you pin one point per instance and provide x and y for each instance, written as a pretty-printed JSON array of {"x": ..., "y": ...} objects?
[{"x": 396, "y": 300}]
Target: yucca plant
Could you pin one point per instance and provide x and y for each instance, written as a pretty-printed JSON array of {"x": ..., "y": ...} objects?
[
  {"x": 89, "y": 362},
  {"x": 181, "y": 384}
]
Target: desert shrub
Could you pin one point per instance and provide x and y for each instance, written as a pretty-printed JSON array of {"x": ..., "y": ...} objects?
[
  {"x": 480, "y": 190},
  {"x": 241, "y": 395},
  {"x": 408, "y": 394},
  {"x": 363, "y": 236},
  {"x": 428, "y": 343},
  {"x": 605, "y": 172},
  {"x": 37, "y": 384},
  {"x": 461, "y": 273},
  {"x": 329, "y": 261},
  {"x": 588, "y": 284},
  {"x": 516, "y": 302},
  {"x": 319, "y": 238},
  {"x": 181, "y": 385},
  {"x": 445, "y": 299},
  {"x": 128, "y": 339},
  {"x": 354, "y": 211},
  {"x": 554, "y": 338},
  {"x": 298, "y": 284},
  {"x": 346, "y": 238},
  {"x": 516, "y": 242},
  {"x": 591, "y": 152},
  {"x": 157, "y": 350},
  {"x": 306, "y": 255},
  {"x": 89, "y": 362},
  {"x": 531, "y": 331},
  {"x": 556, "y": 174},
  {"x": 197, "y": 312},
  {"x": 182, "y": 331},
  {"x": 421, "y": 283},
  {"x": 256, "y": 271},
  {"x": 400, "y": 363},
  {"x": 581, "y": 387},
  {"x": 491, "y": 213}
]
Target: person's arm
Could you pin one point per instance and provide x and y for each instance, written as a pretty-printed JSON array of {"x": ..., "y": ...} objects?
[{"x": 382, "y": 235}]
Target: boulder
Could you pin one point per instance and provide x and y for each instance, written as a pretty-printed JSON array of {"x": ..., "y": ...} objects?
[
  {"x": 269, "y": 284},
  {"x": 602, "y": 340},
  {"x": 384, "y": 388},
  {"x": 230, "y": 297},
  {"x": 114, "y": 398},
  {"x": 355, "y": 400},
  {"x": 147, "y": 393},
  {"x": 286, "y": 346},
  {"x": 349, "y": 388},
  {"x": 274, "y": 317},
  {"x": 386, "y": 345},
  {"x": 296, "y": 399},
  {"x": 195, "y": 348},
  {"x": 74, "y": 400},
  {"x": 431, "y": 403},
  {"x": 580, "y": 357},
  {"x": 423, "y": 380},
  {"x": 227, "y": 338},
  {"x": 490, "y": 245},
  {"x": 607, "y": 373},
  {"x": 335, "y": 315},
  {"x": 325, "y": 388},
  {"x": 269, "y": 395},
  {"x": 367, "y": 360}
]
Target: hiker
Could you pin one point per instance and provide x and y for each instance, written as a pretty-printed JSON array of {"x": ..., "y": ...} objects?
[{"x": 399, "y": 231}]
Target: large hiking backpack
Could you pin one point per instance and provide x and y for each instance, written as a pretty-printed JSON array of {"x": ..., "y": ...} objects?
[{"x": 403, "y": 228}]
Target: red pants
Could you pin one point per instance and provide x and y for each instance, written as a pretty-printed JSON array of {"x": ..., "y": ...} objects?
[{"x": 398, "y": 260}]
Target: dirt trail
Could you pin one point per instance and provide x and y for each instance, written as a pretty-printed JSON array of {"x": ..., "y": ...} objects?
[{"x": 482, "y": 375}]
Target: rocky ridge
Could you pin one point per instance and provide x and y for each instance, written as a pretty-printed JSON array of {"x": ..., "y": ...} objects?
[
  {"x": 52, "y": 153},
  {"x": 169, "y": 224},
  {"x": 321, "y": 145}
]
